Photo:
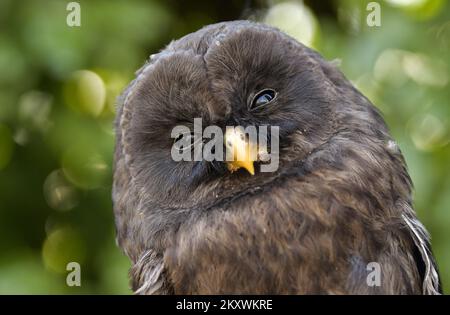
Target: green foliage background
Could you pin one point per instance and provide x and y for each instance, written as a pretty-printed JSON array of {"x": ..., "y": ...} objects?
[{"x": 58, "y": 86}]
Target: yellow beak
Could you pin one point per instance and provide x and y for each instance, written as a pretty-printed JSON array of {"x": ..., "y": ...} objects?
[{"x": 241, "y": 153}]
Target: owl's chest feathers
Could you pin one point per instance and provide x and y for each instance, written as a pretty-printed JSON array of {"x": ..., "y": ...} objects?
[{"x": 274, "y": 241}]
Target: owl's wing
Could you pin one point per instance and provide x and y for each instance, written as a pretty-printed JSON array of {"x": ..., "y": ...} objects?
[
  {"x": 424, "y": 259},
  {"x": 148, "y": 275}
]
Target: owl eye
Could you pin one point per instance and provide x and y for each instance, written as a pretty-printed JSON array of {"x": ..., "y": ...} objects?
[{"x": 262, "y": 98}]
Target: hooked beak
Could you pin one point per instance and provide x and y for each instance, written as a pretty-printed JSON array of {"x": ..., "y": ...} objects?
[{"x": 241, "y": 153}]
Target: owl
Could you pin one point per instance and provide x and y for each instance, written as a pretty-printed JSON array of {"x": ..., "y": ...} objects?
[{"x": 335, "y": 217}]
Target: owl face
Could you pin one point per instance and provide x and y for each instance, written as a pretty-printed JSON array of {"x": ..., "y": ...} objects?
[{"x": 245, "y": 76}]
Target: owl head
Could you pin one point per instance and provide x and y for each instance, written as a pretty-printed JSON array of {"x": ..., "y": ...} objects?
[{"x": 228, "y": 74}]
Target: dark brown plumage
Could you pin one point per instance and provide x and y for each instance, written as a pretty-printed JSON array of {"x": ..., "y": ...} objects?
[{"x": 340, "y": 199}]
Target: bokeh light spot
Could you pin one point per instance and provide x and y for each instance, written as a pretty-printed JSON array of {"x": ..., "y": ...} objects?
[
  {"x": 62, "y": 246},
  {"x": 295, "y": 19},
  {"x": 425, "y": 71},
  {"x": 428, "y": 132},
  {"x": 407, "y": 3},
  {"x": 85, "y": 92},
  {"x": 395, "y": 66},
  {"x": 34, "y": 109},
  {"x": 420, "y": 9},
  {"x": 59, "y": 193},
  {"x": 388, "y": 67}
]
